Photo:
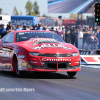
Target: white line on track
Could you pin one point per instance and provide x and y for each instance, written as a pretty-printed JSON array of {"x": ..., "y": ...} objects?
[
  {"x": 83, "y": 64},
  {"x": 91, "y": 66}
]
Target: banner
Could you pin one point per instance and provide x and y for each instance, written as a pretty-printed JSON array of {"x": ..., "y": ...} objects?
[{"x": 47, "y": 22}]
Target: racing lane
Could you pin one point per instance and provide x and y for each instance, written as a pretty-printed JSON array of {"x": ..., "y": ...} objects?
[
  {"x": 53, "y": 86},
  {"x": 65, "y": 6}
]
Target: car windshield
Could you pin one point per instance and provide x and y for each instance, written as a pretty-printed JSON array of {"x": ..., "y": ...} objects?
[{"x": 24, "y": 36}]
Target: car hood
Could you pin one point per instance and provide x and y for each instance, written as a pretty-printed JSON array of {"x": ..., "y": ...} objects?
[{"x": 50, "y": 46}]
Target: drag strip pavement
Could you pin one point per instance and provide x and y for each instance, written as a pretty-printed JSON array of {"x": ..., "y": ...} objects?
[
  {"x": 66, "y": 6},
  {"x": 52, "y": 86}
]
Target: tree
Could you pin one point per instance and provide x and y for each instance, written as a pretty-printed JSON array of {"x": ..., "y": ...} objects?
[
  {"x": 36, "y": 8},
  {"x": 15, "y": 11},
  {"x": 44, "y": 15},
  {"x": 33, "y": 13},
  {"x": 0, "y": 10},
  {"x": 29, "y": 8},
  {"x": 21, "y": 13}
]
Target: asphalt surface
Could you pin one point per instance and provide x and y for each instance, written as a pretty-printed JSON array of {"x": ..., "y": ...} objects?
[
  {"x": 52, "y": 86},
  {"x": 65, "y": 6}
]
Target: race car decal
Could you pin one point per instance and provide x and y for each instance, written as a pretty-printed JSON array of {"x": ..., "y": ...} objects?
[
  {"x": 41, "y": 40},
  {"x": 43, "y": 46},
  {"x": 5, "y": 54},
  {"x": 21, "y": 56},
  {"x": 45, "y": 41},
  {"x": 51, "y": 59},
  {"x": 16, "y": 50},
  {"x": 22, "y": 64},
  {"x": 6, "y": 67},
  {"x": 91, "y": 59}
]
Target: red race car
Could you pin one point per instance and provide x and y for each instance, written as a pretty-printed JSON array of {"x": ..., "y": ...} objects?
[{"x": 33, "y": 50}]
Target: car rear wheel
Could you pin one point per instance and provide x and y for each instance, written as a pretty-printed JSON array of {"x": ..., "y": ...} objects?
[{"x": 71, "y": 74}]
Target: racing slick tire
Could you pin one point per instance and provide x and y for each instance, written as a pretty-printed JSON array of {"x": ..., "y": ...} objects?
[
  {"x": 71, "y": 74},
  {"x": 19, "y": 73}
]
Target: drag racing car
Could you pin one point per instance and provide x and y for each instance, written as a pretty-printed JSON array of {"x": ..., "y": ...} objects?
[{"x": 34, "y": 50}]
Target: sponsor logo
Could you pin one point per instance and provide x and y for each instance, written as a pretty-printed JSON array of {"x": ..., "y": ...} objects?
[
  {"x": 21, "y": 56},
  {"x": 6, "y": 67},
  {"x": 33, "y": 62},
  {"x": 16, "y": 50},
  {"x": 43, "y": 46},
  {"x": 24, "y": 64},
  {"x": 4, "y": 58},
  {"x": 51, "y": 59},
  {"x": 45, "y": 41},
  {"x": 22, "y": 22}
]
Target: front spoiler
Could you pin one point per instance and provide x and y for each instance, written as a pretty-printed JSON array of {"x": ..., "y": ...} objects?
[{"x": 52, "y": 70}]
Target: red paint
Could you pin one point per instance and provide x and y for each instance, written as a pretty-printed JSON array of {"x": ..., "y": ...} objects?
[{"x": 23, "y": 48}]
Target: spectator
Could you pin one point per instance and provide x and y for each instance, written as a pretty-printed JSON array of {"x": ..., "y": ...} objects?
[
  {"x": 39, "y": 27},
  {"x": 60, "y": 32},
  {"x": 12, "y": 27},
  {"x": 2, "y": 31},
  {"x": 9, "y": 27},
  {"x": 25, "y": 27},
  {"x": 95, "y": 29},
  {"x": 56, "y": 31},
  {"x": 18, "y": 27},
  {"x": 36, "y": 26},
  {"x": 71, "y": 34},
  {"x": 63, "y": 29},
  {"x": 91, "y": 32},
  {"x": 52, "y": 29},
  {"x": 28, "y": 27},
  {"x": 97, "y": 33},
  {"x": 88, "y": 28},
  {"x": 33, "y": 27},
  {"x": 67, "y": 37},
  {"x": 74, "y": 36},
  {"x": 85, "y": 36},
  {"x": 92, "y": 40},
  {"x": 45, "y": 28},
  {"x": 80, "y": 34}
]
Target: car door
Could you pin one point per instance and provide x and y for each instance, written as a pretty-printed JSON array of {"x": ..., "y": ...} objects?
[{"x": 6, "y": 49}]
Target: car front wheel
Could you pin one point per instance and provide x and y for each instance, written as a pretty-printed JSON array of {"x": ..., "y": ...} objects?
[
  {"x": 19, "y": 73},
  {"x": 71, "y": 74}
]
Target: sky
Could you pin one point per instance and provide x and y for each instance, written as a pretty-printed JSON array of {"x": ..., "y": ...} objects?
[{"x": 8, "y": 6}]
